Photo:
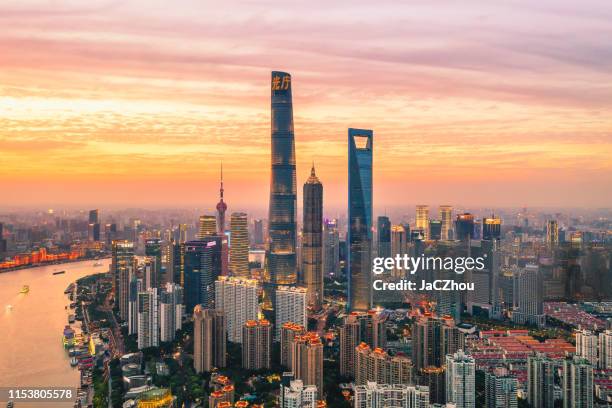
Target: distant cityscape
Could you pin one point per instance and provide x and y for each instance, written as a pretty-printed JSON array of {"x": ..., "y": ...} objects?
[{"x": 224, "y": 309}]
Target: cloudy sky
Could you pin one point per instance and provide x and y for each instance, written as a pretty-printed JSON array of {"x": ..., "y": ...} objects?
[{"x": 113, "y": 103}]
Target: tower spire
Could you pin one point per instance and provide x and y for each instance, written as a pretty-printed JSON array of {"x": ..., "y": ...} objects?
[{"x": 221, "y": 208}]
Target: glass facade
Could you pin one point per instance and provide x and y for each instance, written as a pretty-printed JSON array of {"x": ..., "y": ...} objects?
[
  {"x": 281, "y": 257},
  {"x": 359, "y": 239}
]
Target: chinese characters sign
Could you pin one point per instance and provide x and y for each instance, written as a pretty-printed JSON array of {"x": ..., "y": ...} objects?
[{"x": 281, "y": 83}]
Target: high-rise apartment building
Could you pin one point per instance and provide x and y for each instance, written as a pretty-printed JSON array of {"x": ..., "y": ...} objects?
[
  {"x": 359, "y": 327},
  {"x": 540, "y": 382},
  {"x": 374, "y": 395},
  {"x": 256, "y": 344},
  {"x": 123, "y": 264},
  {"x": 461, "y": 380},
  {"x": 432, "y": 339},
  {"x": 605, "y": 350},
  {"x": 239, "y": 300},
  {"x": 290, "y": 307},
  {"x": 239, "y": 245},
  {"x": 289, "y": 331},
  {"x": 446, "y": 217},
  {"x": 528, "y": 292},
  {"x": 383, "y": 236},
  {"x": 171, "y": 310},
  {"x": 312, "y": 241},
  {"x": 281, "y": 268},
  {"x": 93, "y": 230},
  {"x": 577, "y": 383},
  {"x": 359, "y": 238},
  {"x": 587, "y": 344},
  {"x": 500, "y": 389},
  {"x": 207, "y": 226},
  {"x": 136, "y": 286},
  {"x": 150, "y": 271},
  {"x": 422, "y": 220},
  {"x": 307, "y": 359},
  {"x": 209, "y": 339},
  {"x": 297, "y": 395},
  {"x": 148, "y": 319},
  {"x": 375, "y": 365}
]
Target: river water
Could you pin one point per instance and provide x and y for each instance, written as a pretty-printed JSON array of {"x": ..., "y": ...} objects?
[{"x": 31, "y": 350}]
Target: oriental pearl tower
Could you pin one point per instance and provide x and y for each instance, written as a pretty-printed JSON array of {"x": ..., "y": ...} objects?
[{"x": 221, "y": 208}]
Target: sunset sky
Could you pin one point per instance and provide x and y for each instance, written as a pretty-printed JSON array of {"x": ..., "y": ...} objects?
[{"x": 112, "y": 103}]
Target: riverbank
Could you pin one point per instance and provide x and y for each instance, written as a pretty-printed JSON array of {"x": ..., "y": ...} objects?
[{"x": 39, "y": 265}]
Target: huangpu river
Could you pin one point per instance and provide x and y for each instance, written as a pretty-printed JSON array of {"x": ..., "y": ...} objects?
[{"x": 31, "y": 326}]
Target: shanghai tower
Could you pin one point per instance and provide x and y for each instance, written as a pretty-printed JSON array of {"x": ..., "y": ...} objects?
[{"x": 281, "y": 256}]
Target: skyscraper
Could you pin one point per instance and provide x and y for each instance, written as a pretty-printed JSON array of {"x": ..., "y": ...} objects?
[
  {"x": 291, "y": 307},
  {"x": 148, "y": 319},
  {"x": 331, "y": 248},
  {"x": 432, "y": 339},
  {"x": 422, "y": 219},
  {"x": 464, "y": 227},
  {"x": 94, "y": 225},
  {"x": 170, "y": 311},
  {"x": 374, "y": 395},
  {"x": 256, "y": 344},
  {"x": 461, "y": 380},
  {"x": 238, "y": 299},
  {"x": 446, "y": 217},
  {"x": 123, "y": 264},
  {"x": 221, "y": 208},
  {"x": 368, "y": 328},
  {"x": 587, "y": 344},
  {"x": 500, "y": 389},
  {"x": 281, "y": 268},
  {"x": 383, "y": 232},
  {"x": 239, "y": 245},
  {"x": 312, "y": 237},
  {"x": 258, "y": 232},
  {"x": 307, "y": 359},
  {"x": 577, "y": 383},
  {"x": 359, "y": 239},
  {"x": 136, "y": 286},
  {"x": 491, "y": 228},
  {"x": 605, "y": 350},
  {"x": 289, "y": 331},
  {"x": 207, "y": 226},
  {"x": 399, "y": 246},
  {"x": 375, "y": 365},
  {"x": 552, "y": 233},
  {"x": 435, "y": 230},
  {"x": 150, "y": 272},
  {"x": 199, "y": 274},
  {"x": 209, "y": 345},
  {"x": 528, "y": 292},
  {"x": 540, "y": 382}
]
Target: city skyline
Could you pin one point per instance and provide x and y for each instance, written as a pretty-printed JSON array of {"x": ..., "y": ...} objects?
[{"x": 102, "y": 106}]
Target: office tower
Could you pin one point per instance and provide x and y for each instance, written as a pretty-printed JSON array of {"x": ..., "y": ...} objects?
[
  {"x": 168, "y": 262},
  {"x": 605, "y": 350},
  {"x": 238, "y": 299},
  {"x": 577, "y": 383},
  {"x": 312, "y": 241},
  {"x": 331, "y": 248},
  {"x": 289, "y": 331},
  {"x": 461, "y": 380},
  {"x": 239, "y": 245},
  {"x": 123, "y": 264},
  {"x": 375, "y": 365},
  {"x": 258, "y": 232},
  {"x": 368, "y": 328},
  {"x": 374, "y": 395},
  {"x": 432, "y": 339},
  {"x": 528, "y": 292},
  {"x": 94, "y": 226},
  {"x": 297, "y": 395},
  {"x": 170, "y": 311},
  {"x": 422, "y": 220},
  {"x": 94, "y": 216},
  {"x": 182, "y": 232},
  {"x": 3, "y": 246},
  {"x": 500, "y": 389},
  {"x": 136, "y": 286},
  {"x": 199, "y": 274},
  {"x": 586, "y": 346},
  {"x": 281, "y": 268},
  {"x": 256, "y": 344},
  {"x": 207, "y": 226},
  {"x": 221, "y": 208},
  {"x": 290, "y": 307},
  {"x": 464, "y": 227},
  {"x": 359, "y": 237},
  {"x": 399, "y": 246},
  {"x": 383, "y": 231},
  {"x": 435, "y": 230},
  {"x": 434, "y": 378},
  {"x": 552, "y": 233},
  {"x": 491, "y": 273},
  {"x": 446, "y": 217},
  {"x": 307, "y": 359},
  {"x": 110, "y": 233},
  {"x": 491, "y": 228},
  {"x": 148, "y": 319},
  {"x": 209, "y": 344},
  {"x": 150, "y": 272},
  {"x": 540, "y": 382},
  {"x": 153, "y": 249}
]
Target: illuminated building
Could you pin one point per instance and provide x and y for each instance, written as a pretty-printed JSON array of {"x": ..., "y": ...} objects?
[
  {"x": 540, "y": 381},
  {"x": 383, "y": 235},
  {"x": 373, "y": 395},
  {"x": 156, "y": 398},
  {"x": 289, "y": 331},
  {"x": 399, "y": 246},
  {"x": 375, "y": 365},
  {"x": 238, "y": 299},
  {"x": 500, "y": 390},
  {"x": 93, "y": 230},
  {"x": 432, "y": 339},
  {"x": 577, "y": 383},
  {"x": 151, "y": 272},
  {"x": 209, "y": 339},
  {"x": 258, "y": 232},
  {"x": 359, "y": 237},
  {"x": 422, "y": 220},
  {"x": 446, "y": 217},
  {"x": 153, "y": 249},
  {"x": 148, "y": 319},
  {"x": 528, "y": 292},
  {"x": 461, "y": 380},
  {"x": 464, "y": 227},
  {"x": 435, "y": 230},
  {"x": 312, "y": 237},
  {"x": 587, "y": 344},
  {"x": 434, "y": 378},
  {"x": 605, "y": 350},
  {"x": 331, "y": 248},
  {"x": 199, "y": 274},
  {"x": 552, "y": 232},
  {"x": 207, "y": 226},
  {"x": 239, "y": 245},
  {"x": 307, "y": 359},
  {"x": 221, "y": 208},
  {"x": 281, "y": 266},
  {"x": 256, "y": 344},
  {"x": 491, "y": 228},
  {"x": 297, "y": 395},
  {"x": 123, "y": 264},
  {"x": 290, "y": 307},
  {"x": 359, "y": 327},
  {"x": 170, "y": 311},
  {"x": 136, "y": 286}
]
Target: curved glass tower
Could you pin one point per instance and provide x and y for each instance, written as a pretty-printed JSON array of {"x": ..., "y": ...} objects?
[
  {"x": 281, "y": 257},
  {"x": 359, "y": 238}
]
